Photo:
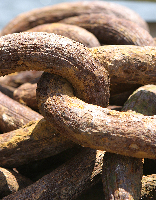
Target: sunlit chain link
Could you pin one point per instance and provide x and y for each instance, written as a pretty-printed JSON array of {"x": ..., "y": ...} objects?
[{"x": 87, "y": 124}]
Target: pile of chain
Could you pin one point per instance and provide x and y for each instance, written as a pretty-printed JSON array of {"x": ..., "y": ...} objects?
[{"x": 87, "y": 54}]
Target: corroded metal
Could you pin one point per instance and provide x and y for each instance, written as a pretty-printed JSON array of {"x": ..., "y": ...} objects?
[
  {"x": 34, "y": 141},
  {"x": 142, "y": 100},
  {"x": 11, "y": 181},
  {"x": 67, "y": 181},
  {"x": 90, "y": 125},
  {"x": 148, "y": 187},
  {"x": 129, "y": 66},
  {"x": 112, "y": 30},
  {"x": 127, "y": 63},
  {"x": 121, "y": 177},
  {"x": 14, "y": 115},
  {"x": 26, "y": 95},
  {"x": 125, "y": 133},
  {"x": 71, "y": 31},
  {"x": 60, "y": 11},
  {"x": 18, "y": 78},
  {"x": 119, "y": 132},
  {"x": 56, "y": 54}
]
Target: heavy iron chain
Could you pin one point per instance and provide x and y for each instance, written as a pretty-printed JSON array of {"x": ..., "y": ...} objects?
[
  {"x": 76, "y": 77},
  {"x": 89, "y": 125}
]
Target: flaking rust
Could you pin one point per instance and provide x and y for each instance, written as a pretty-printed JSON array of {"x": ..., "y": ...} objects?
[
  {"x": 129, "y": 66},
  {"x": 40, "y": 137},
  {"x": 96, "y": 127},
  {"x": 73, "y": 61},
  {"x": 67, "y": 181},
  {"x": 70, "y": 59},
  {"x": 84, "y": 123},
  {"x": 87, "y": 124}
]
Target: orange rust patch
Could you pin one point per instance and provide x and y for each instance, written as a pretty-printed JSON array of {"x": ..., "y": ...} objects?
[{"x": 76, "y": 105}]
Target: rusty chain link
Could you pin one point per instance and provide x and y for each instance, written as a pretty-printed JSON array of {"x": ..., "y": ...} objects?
[
  {"x": 88, "y": 124},
  {"x": 73, "y": 91}
]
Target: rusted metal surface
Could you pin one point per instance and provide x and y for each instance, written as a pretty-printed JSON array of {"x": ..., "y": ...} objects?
[
  {"x": 13, "y": 115},
  {"x": 68, "y": 181},
  {"x": 148, "y": 187},
  {"x": 18, "y": 78},
  {"x": 65, "y": 57},
  {"x": 125, "y": 133},
  {"x": 26, "y": 95},
  {"x": 121, "y": 174},
  {"x": 99, "y": 128},
  {"x": 112, "y": 30},
  {"x": 11, "y": 181},
  {"x": 57, "y": 12},
  {"x": 90, "y": 125},
  {"x": 121, "y": 177},
  {"x": 34, "y": 141},
  {"x": 73, "y": 32},
  {"x": 129, "y": 66}
]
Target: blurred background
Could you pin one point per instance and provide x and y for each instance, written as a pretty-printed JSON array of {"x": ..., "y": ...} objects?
[{"x": 11, "y": 8}]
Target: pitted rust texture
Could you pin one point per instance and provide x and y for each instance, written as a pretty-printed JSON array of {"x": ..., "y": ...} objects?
[
  {"x": 67, "y": 181},
  {"x": 128, "y": 64},
  {"x": 93, "y": 126},
  {"x": 125, "y": 133},
  {"x": 34, "y": 141},
  {"x": 60, "y": 11},
  {"x": 112, "y": 30},
  {"x": 121, "y": 177},
  {"x": 148, "y": 187},
  {"x": 59, "y": 55},
  {"x": 73, "y": 32}
]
